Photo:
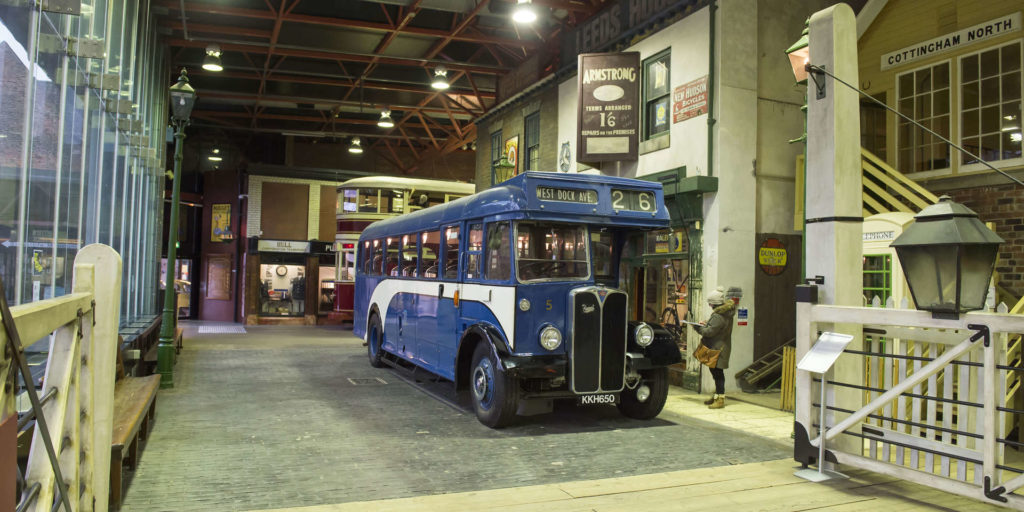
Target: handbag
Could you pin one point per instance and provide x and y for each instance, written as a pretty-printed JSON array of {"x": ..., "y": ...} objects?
[{"x": 708, "y": 357}]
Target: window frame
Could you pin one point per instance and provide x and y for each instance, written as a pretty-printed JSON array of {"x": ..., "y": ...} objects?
[
  {"x": 646, "y": 100},
  {"x": 443, "y": 272},
  {"x": 949, "y": 129},
  {"x": 470, "y": 253},
  {"x": 485, "y": 273},
  {"x": 531, "y": 149},
  {"x": 978, "y": 166}
]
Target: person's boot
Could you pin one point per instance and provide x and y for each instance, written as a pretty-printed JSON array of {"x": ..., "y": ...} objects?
[
  {"x": 718, "y": 403},
  {"x": 711, "y": 400}
]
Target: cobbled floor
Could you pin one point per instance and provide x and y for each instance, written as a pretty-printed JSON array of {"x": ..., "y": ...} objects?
[{"x": 269, "y": 419}]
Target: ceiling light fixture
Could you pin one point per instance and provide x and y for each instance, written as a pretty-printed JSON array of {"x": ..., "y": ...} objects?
[
  {"x": 523, "y": 12},
  {"x": 385, "y": 119},
  {"x": 355, "y": 148},
  {"x": 214, "y": 158},
  {"x": 212, "y": 60},
  {"x": 440, "y": 78}
]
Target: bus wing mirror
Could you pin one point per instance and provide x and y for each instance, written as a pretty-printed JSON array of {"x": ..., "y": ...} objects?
[{"x": 440, "y": 291}]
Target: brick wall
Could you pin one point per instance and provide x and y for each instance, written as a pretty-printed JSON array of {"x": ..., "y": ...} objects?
[
  {"x": 510, "y": 122},
  {"x": 1004, "y": 206}
]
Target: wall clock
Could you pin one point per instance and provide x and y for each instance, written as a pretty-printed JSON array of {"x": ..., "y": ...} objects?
[{"x": 281, "y": 270}]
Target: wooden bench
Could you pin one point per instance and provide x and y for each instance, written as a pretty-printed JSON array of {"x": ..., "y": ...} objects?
[
  {"x": 152, "y": 355},
  {"x": 134, "y": 411}
]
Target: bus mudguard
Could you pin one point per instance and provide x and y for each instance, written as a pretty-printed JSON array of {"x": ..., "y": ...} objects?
[{"x": 521, "y": 366}]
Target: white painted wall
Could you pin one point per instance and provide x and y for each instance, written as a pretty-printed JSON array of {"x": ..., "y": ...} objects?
[
  {"x": 688, "y": 39},
  {"x": 730, "y": 214}
]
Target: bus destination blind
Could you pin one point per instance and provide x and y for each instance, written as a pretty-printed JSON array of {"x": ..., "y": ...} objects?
[
  {"x": 635, "y": 200},
  {"x": 568, "y": 195}
]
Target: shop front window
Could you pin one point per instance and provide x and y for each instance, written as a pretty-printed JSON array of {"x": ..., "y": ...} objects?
[{"x": 283, "y": 285}]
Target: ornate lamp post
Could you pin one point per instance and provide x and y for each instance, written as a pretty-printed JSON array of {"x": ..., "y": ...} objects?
[
  {"x": 183, "y": 98},
  {"x": 947, "y": 255}
]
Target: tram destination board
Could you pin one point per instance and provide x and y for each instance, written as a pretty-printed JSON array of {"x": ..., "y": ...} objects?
[
  {"x": 568, "y": 195},
  {"x": 635, "y": 200}
]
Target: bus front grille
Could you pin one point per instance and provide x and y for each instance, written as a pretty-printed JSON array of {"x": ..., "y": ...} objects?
[{"x": 598, "y": 340}]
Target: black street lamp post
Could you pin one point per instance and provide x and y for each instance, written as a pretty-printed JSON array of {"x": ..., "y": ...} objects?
[{"x": 183, "y": 98}]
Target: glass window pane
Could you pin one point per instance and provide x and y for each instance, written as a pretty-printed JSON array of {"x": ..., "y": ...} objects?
[
  {"x": 498, "y": 263},
  {"x": 940, "y": 103},
  {"x": 1010, "y": 57},
  {"x": 990, "y": 147},
  {"x": 940, "y": 76},
  {"x": 1011, "y": 144},
  {"x": 430, "y": 251},
  {"x": 969, "y": 68},
  {"x": 1011, "y": 86},
  {"x": 923, "y": 79},
  {"x": 990, "y": 91},
  {"x": 475, "y": 244},
  {"x": 972, "y": 145},
  {"x": 391, "y": 258},
  {"x": 990, "y": 119},
  {"x": 941, "y": 125},
  {"x": 971, "y": 123},
  {"x": 971, "y": 96},
  {"x": 989, "y": 63},
  {"x": 451, "y": 252},
  {"x": 906, "y": 85},
  {"x": 410, "y": 256}
]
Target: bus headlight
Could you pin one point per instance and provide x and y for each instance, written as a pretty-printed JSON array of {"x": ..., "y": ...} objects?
[
  {"x": 644, "y": 335},
  {"x": 550, "y": 337}
]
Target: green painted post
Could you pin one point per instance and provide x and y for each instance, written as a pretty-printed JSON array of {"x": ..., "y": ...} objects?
[{"x": 183, "y": 98}]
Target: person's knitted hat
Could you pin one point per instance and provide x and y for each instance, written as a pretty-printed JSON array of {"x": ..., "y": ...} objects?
[{"x": 717, "y": 297}]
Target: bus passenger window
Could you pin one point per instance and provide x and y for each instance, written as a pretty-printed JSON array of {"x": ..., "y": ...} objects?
[
  {"x": 430, "y": 249},
  {"x": 392, "y": 201},
  {"x": 451, "y": 253},
  {"x": 391, "y": 260},
  {"x": 367, "y": 200},
  {"x": 475, "y": 245},
  {"x": 378, "y": 257},
  {"x": 498, "y": 265},
  {"x": 367, "y": 258},
  {"x": 410, "y": 256},
  {"x": 349, "y": 202}
]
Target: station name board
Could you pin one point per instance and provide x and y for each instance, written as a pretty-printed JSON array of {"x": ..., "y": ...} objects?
[{"x": 953, "y": 41}]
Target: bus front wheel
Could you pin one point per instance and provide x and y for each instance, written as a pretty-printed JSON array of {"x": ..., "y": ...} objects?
[
  {"x": 494, "y": 392},
  {"x": 655, "y": 381},
  {"x": 374, "y": 342}
]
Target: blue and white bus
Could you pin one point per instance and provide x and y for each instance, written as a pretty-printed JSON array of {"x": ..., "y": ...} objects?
[{"x": 514, "y": 292}]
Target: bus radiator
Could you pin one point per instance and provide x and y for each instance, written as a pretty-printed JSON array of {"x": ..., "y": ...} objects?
[{"x": 598, "y": 340}]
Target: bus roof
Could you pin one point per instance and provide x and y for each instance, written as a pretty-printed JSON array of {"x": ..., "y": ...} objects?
[
  {"x": 401, "y": 183},
  {"x": 518, "y": 198}
]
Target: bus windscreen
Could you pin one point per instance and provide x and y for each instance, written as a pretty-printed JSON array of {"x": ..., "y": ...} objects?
[{"x": 551, "y": 251}]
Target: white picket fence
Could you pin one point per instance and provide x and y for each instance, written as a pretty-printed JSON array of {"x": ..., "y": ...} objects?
[
  {"x": 938, "y": 399},
  {"x": 80, "y": 369}
]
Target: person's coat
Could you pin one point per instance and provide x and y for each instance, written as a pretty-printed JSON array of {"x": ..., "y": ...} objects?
[{"x": 716, "y": 333}]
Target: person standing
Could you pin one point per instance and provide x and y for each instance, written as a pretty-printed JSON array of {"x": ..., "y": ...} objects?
[{"x": 716, "y": 334}]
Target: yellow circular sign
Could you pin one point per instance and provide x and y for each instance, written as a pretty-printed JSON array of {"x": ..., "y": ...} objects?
[{"x": 772, "y": 256}]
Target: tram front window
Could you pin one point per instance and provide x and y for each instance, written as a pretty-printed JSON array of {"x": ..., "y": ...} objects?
[{"x": 551, "y": 251}]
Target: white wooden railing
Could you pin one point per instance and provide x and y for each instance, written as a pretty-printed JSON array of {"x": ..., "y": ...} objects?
[
  {"x": 80, "y": 369},
  {"x": 934, "y": 410}
]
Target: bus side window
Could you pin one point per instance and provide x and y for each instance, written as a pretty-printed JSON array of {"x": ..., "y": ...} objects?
[
  {"x": 378, "y": 257},
  {"x": 475, "y": 245},
  {"x": 497, "y": 265},
  {"x": 451, "y": 252},
  {"x": 410, "y": 256},
  {"x": 430, "y": 253},
  {"x": 366, "y": 258},
  {"x": 391, "y": 257}
]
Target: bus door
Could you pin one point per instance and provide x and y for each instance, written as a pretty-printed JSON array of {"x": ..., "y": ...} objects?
[{"x": 442, "y": 330}]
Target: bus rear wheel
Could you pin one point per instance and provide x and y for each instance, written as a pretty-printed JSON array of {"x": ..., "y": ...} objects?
[
  {"x": 494, "y": 392},
  {"x": 653, "y": 388},
  {"x": 375, "y": 342}
]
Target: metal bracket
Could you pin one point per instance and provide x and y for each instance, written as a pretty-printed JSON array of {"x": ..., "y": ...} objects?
[
  {"x": 818, "y": 77},
  {"x": 117, "y": 106},
  {"x": 994, "y": 494},
  {"x": 105, "y": 81},
  {"x": 93, "y": 312},
  {"x": 983, "y": 332},
  {"x": 69, "y": 7},
  {"x": 80, "y": 314},
  {"x": 86, "y": 47}
]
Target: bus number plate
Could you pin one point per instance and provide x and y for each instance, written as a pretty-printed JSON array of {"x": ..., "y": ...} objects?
[
  {"x": 605, "y": 398},
  {"x": 568, "y": 195},
  {"x": 634, "y": 200}
]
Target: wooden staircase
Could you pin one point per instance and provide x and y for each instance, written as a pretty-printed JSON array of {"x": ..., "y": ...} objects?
[
  {"x": 888, "y": 190},
  {"x": 765, "y": 372}
]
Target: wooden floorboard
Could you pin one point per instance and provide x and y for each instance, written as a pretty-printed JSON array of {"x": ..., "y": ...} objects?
[{"x": 763, "y": 486}]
